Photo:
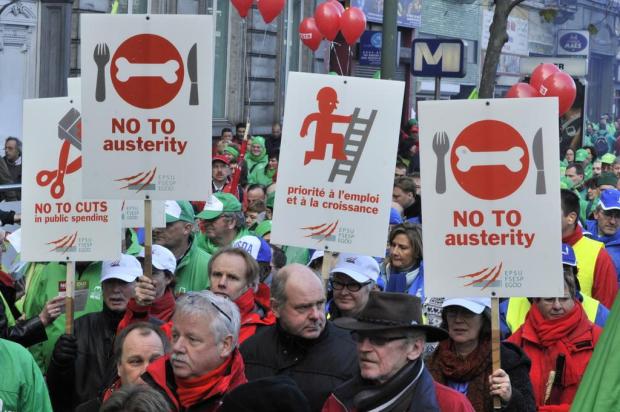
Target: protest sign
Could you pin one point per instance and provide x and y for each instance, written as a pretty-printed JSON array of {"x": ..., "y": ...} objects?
[
  {"x": 132, "y": 214},
  {"x": 491, "y": 198},
  {"x": 337, "y": 163},
  {"x": 58, "y": 224},
  {"x": 147, "y": 86}
]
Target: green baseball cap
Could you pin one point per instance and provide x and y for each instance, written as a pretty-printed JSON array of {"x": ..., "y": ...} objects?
[
  {"x": 581, "y": 155},
  {"x": 264, "y": 228},
  {"x": 179, "y": 210},
  {"x": 219, "y": 203},
  {"x": 606, "y": 179},
  {"x": 608, "y": 158}
]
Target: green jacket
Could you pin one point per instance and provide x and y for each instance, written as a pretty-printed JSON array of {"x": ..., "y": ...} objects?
[
  {"x": 192, "y": 271},
  {"x": 204, "y": 243},
  {"x": 43, "y": 284},
  {"x": 22, "y": 387},
  {"x": 296, "y": 254},
  {"x": 260, "y": 175}
]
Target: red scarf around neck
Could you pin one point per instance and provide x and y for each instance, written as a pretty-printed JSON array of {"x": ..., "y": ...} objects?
[
  {"x": 217, "y": 382},
  {"x": 163, "y": 308},
  {"x": 245, "y": 303},
  {"x": 549, "y": 331}
]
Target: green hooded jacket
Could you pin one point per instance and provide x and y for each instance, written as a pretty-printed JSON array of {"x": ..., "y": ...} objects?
[
  {"x": 251, "y": 161},
  {"x": 22, "y": 387},
  {"x": 192, "y": 270},
  {"x": 43, "y": 283}
]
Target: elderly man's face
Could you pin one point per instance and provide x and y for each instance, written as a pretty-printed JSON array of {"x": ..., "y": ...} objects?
[
  {"x": 608, "y": 221},
  {"x": 382, "y": 356},
  {"x": 173, "y": 235},
  {"x": 228, "y": 276},
  {"x": 195, "y": 351},
  {"x": 10, "y": 150},
  {"x": 303, "y": 313},
  {"x": 350, "y": 302},
  {"x": 116, "y": 293},
  {"x": 140, "y": 348}
]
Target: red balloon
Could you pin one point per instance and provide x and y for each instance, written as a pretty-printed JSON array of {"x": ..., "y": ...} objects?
[
  {"x": 270, "y": 9},
  {"x": 242, "y": 6},
  {"x": 327, "y": 18},
  {"x": 541, "y": 72},
  {"x": 310, "y": 34},
  {"x": 338, "y": 5},
  {"x": 562, "y": 86},
  {"x": 522, "y": 90},
  {"x": 352, "y": 24}
]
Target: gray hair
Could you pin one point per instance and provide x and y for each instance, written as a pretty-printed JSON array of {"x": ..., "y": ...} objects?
[
  {"x": 237, "y": 217},
  {"x": 18, "y": 143},
  {"x": 223, "y": 313},
  {"x": 278, "y": 283},
  {"x": 135, "y": 398}
]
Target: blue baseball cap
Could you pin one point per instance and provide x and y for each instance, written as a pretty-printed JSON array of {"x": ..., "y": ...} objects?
[
  {"x": 257, "y": 247},
  {"x": 395, "y": 218},
  {"x": 610, "y": 199},
  {"x": 568, "y": 255}
]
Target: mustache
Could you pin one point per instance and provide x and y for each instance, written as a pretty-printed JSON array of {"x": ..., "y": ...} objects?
[{"x": 178, "y": 357}]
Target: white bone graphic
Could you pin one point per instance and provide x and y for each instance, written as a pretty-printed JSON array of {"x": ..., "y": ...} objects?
[
  {"x": 510, "y": 158},
  {"x": 166, "y": 71}
]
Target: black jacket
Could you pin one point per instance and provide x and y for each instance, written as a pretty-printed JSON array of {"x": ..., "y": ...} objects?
[
  {"x": 25, "y": 332},
  {"x": 317, "y": 365},
  {"x": 516, "y": 363},
  {"x": 79, "y": 381}
]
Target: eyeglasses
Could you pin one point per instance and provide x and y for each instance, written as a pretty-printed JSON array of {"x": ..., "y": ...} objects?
[
  {"x": 193, "y": 296},
  {"x": 351, "y": 287},
  {"x": 452, "y": 311},
  {"x": 375, "y": 340},
  {"x": 612, "y": 214}
]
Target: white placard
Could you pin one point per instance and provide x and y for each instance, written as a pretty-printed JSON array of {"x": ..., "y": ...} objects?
[
  {"x": 491, "y": 198},
  {"x": 147, "y": 86},
  {"x": 324, "y": 202},
  {"x": 132, "y": 213},
  {"x": 58, "y": 224}
]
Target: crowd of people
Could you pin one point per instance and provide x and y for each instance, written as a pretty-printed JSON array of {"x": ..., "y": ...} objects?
[{"x": 229, "y": 321}]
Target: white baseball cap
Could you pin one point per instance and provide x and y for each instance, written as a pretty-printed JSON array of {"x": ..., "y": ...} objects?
[
  {"x": 162, "y": 258},
  {"x": 127, "y": 268},
  {"x": 358, "y": 267},
  {"x": 476, "y": 305}
]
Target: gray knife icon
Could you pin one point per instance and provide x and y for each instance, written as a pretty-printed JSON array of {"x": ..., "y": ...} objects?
[
  {"x": 537, "y": 150},
  {"x": 192, "y": 69}
]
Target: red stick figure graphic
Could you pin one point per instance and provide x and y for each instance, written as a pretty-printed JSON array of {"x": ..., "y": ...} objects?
[{"x": 328, "y": 102}]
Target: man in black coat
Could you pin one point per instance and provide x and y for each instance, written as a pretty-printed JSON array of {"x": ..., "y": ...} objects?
[
  {"x": 82, "y": 363},
  {"x": 302, "y": 344}
]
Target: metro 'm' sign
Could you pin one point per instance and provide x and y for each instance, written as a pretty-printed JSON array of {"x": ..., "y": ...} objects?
[{"x": 438, "y": 58}]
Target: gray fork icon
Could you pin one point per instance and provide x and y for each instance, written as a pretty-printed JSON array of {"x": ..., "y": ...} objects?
[
  {"x": 441, "y": 145},
  {"x": 101, "y": 56}
]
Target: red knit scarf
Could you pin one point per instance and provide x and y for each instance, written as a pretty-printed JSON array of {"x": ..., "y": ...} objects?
[
  {"x": 245, "y": 303},
  {"x": 447, "y": 365},
  {"x": 216, "y": 382},
  {"x": 163, "y": 308},
  {"x": 553, "y": 331}
]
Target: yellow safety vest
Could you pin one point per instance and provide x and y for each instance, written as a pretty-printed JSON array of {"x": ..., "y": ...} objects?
[
  {"x": 518, "y": 308},
  {"x": 586, "y": 252}
]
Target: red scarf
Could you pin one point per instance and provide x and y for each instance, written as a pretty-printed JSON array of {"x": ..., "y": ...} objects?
[
  {"x": 550, "y": 332},
  {"x": 245, "y": 303},
  {"x": 215, "y": 383},
  {"x": 573, "y": 237},
  {"x": 163, "y": 308}
]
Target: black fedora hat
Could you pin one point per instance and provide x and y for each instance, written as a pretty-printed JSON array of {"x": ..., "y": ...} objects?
[{"x": 385, "y": 311}]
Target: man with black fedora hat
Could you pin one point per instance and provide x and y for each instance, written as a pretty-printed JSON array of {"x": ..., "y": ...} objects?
[{"x": 390, "y": 342}]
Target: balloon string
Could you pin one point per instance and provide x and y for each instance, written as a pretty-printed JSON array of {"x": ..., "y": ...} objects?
[
  {"x": 337, "y": 58},
  {"x": 247, "y": 73},
  {"x": 349, "y": 60}
]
